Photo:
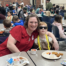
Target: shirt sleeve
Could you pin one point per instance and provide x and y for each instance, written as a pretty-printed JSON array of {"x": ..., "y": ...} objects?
[
  {"x": 16, "y": 32},
  {"x": 19, "y": 24}
]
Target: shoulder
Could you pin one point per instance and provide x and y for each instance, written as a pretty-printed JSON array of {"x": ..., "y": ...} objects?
[
  {"x": 50, "y": 39},
  {"x": 18, "y": 28},
  {"x": 21, "y": 21}
]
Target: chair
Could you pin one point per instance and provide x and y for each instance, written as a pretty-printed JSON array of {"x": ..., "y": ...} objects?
[
  {"x": 55, "y": 31},
  {"x": 49, "y": 26},
  {"x": 1, "y": 21},
  {"x": 3, "y": 37},
  {"x": 46, "y": 19},
  {"x": 62, "y": 14},
  {"x": 52, "y": 20}
]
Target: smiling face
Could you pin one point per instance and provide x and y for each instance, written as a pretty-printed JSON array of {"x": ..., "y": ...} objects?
[{"x": 32, "y": 24}]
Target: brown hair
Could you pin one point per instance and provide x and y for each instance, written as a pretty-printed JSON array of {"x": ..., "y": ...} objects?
[
  {"x": 58, "y": 18},
  {"x": 7, "y": 23},
  {"x": 27, "y": 20},
  {"x": 15, "y": 18}
]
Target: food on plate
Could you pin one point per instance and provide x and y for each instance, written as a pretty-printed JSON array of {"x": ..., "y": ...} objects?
[
  {"x": 48, "y": 53},
  {"x": 61, "y": 54},
  {"x": 17, "y": 61},
  {"x": 55, "y": 53},
  {"x": 21, "y": 58},
  {"x": 58, "y": 55}
]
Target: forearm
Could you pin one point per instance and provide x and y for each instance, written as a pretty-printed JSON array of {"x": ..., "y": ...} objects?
[
  {"x": 55, "y": 43},
  {"x": 12, "y": 48}
]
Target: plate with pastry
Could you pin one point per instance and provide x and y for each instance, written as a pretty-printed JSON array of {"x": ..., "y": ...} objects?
[{"x": 52, "y": 54}]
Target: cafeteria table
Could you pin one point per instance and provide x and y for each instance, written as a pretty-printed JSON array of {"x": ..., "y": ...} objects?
[
  {"x": 41, "y": 61},
  {"x": 23, "y": 54}
]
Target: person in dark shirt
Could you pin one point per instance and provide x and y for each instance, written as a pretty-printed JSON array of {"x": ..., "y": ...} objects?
[
  {"x": 2, "y": 17},
  {"x": 2, "y": 10},
  {"x": 11, "y": 7}
]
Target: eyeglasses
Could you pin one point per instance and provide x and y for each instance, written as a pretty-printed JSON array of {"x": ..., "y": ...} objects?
[{"x": 42, "y": 27}]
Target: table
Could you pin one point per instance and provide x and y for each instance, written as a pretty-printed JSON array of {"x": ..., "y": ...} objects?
[
  {"x": 39, "y": 15},
  {"x": 40, "y": 61},
  {"x": 4, "y": 58},
  {"x": 1, "y": 26}
]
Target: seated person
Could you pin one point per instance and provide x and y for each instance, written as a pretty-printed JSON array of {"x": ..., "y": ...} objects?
[
  {"x": 41, "y": 11},
  {"x": 25, "y": 12},
  {"x": 7, "y": 25},
  {"x": 38, "y": 9},
  {"x": 32, "y": 11},
  {"x": 58, "y": 23},
  {"x": 43, "y": 41},
  {"x": 2, "y": 16},
  {"x": 57, "y": 12},
  {"x": 9, "y": 15},
  {"x": 48, "y": 13},
  {"x": 52, "y": 11},
  {"x": 16, "y": 21}
]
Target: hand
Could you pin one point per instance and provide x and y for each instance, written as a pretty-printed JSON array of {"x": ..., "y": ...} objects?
[{"x": 56, "y": 46}]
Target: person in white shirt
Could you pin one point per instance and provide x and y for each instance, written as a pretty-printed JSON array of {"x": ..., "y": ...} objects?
[{"x": 22, "y": 3}]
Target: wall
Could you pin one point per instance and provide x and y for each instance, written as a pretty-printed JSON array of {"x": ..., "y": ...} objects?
[
  {"x": 38, "y": 2},
  {"x": 59, "y": 2},
  {"x": 4, "y": 2}
]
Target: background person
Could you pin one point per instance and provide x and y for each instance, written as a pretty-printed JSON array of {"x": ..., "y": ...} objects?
[
  {"x": 48, "y": 5},
  {"x": 16, "y": 21},
  {"x": 7, "y": 25},
  {"x": 9, "y": 15},
  {"x": 58, "y": 23}
]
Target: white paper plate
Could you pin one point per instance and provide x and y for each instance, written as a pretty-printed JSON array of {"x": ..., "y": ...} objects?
[
  {"x": 51, "y": 56},
  {"x": 20, "y": 64}
]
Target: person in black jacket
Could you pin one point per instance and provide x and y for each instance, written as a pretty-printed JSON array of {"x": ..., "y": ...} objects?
[{"x": 2, "y": 10}]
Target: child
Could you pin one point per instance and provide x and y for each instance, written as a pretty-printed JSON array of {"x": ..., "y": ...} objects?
[
  {"x": 43, "y": 41},
  {"x": 16, "y": 21},
  {"x": 9, "y": 15},
  {"x": 7, "y": 25},
  {"x": 52, "y": 11},
  {"x": 42, "y": 12},
  {"x": 14, "y": 11}
]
